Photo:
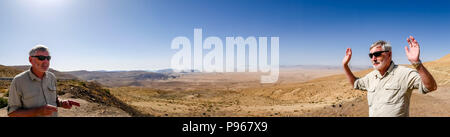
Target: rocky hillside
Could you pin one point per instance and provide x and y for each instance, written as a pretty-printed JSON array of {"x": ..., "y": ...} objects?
[{"x": 8, "y": 71}]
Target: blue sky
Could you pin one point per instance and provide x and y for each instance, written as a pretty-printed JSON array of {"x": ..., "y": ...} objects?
[{"x": 136, "y": 34}]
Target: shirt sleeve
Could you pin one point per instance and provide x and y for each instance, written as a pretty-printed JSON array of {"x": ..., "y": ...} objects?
[
  {"x": 361, "y": 83},
  {"x": 415, "y": 82},
  {"x": 14, "y": 98}
]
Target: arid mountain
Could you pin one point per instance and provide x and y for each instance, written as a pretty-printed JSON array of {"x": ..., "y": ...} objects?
[
  {"x": 58, "y": 74},
  {"x": 120, "y": 78},
  {"x": 168, "y": 77},
  {"x": 8, "y": 71}
]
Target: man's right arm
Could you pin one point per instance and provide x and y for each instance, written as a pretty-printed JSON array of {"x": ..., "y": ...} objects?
[{"x": 348, "y": 72}]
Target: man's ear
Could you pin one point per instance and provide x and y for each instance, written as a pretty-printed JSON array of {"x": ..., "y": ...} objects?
[{"x": 29, "y": 59}]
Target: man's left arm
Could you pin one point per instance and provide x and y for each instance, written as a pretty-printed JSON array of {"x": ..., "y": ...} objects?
[
  {"x": 427, "y": 78},
  {"x": 413, "y": 54}
]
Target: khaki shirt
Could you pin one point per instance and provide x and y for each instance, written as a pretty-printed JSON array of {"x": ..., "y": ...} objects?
[
  {"x": 27, "y": 91},
  {"x": 389, "y": 95}
]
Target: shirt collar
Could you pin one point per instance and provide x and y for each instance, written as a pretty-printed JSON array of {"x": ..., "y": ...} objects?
[
  {"x": 34, "y": 77},
  {"x": 391, "y": 67}
]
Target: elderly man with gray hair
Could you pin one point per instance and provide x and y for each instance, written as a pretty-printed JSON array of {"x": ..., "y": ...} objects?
[
  {"x": 389, "y": 86},
  {"x": 33, "y": 93}
]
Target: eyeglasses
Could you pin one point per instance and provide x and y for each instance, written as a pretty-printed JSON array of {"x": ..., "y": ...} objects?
[
  {"x": 42, "y": 58},
  {"x": 376, "y": 54}
]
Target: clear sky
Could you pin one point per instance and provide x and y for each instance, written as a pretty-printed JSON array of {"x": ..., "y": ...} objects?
[{"x": 136, "y": 34}]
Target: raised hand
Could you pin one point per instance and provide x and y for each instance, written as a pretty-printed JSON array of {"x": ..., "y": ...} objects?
[
  {"x": 348, "y": 56},
  {"x": 413, "y": 52},
  {"x": 348, "y": 72}
]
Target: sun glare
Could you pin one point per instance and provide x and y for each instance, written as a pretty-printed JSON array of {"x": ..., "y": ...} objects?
[{"x": 47, "y": 3}]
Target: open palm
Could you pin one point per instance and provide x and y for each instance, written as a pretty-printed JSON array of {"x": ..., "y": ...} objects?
[
  {"x": 414, "y": 51},
  {"x": 348, "y": 56}
]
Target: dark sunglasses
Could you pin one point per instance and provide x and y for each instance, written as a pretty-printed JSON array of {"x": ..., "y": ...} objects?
[
  {"x": 41, "y": 58},
  {"x": 376, "y": 54}
]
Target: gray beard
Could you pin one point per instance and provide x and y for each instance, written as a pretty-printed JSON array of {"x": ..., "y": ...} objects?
[{"x": 381, "y": 65}]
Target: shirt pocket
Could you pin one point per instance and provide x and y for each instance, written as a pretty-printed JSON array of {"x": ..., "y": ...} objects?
[
  {"x": 52, "y": 87},
  {"x": 392, "y": 93},
  {"x": 52, "y": 93}
]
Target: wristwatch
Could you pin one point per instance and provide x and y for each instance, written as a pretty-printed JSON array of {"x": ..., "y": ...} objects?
[{"x": 416, "y": 64}]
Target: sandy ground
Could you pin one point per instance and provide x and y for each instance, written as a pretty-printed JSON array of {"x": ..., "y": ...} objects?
[
  {"x": 299, "y": 93},
  {"x": 237, "y": 94},
  {"x": 434, "y": 104}
]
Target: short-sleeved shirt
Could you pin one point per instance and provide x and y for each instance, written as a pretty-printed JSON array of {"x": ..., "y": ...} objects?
[
  {"x": 27, "y": 91},
  {"x": 389, "y": 95}
]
